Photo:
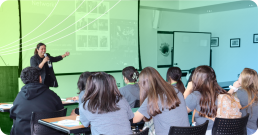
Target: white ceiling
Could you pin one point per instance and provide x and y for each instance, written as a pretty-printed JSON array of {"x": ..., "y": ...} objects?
[{"x": 199, "y": 7}]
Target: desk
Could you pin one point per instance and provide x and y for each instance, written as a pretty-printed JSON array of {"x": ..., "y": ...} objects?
[
  {"x": 69, "y": 130},
  {"x": 6, "y": 109},
  {"x": 6, "y": 122},
  {"x": 64, "y": 103}
]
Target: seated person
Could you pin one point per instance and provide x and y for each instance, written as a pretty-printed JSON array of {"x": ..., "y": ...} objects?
[
  {"x": 161, "y": 102},
  {"x": 248, "y": 97},
  {"x": 33, "y": 97},
  {"x": 174, "y": 78},
  {"x": 104, "y": 108},
  {"x": 81, "y": 84},
  {"x": 131, "y": 91},
  {"x": 204, "y": 96}
]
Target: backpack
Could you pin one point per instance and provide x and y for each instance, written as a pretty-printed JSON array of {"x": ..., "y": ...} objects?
[{"x": 228, "y": 107}]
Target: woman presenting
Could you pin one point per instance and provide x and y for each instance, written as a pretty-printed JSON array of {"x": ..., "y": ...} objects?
[{"x": 43, "y": 62}]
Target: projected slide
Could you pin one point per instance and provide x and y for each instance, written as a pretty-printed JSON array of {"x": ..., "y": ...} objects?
[{"x": 101, "y": 35}]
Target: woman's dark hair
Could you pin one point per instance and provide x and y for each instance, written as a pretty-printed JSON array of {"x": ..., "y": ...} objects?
[
  {"x": 175, "y": 73},
  {"x": 130, "y": 73},
  {"x": 153, "y": 86},
  {"x": 82, "y": 81},
  {"x": 38, "y": 46},
  {"x": 30, "y": 75},
  {"x": 204, "y": 80},
  {"x": 101, "y": 93}
]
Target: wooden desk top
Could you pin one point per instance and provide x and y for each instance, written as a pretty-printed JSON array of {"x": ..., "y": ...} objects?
[
  {"x": 6, "y": 109},
  {"x": 75, "y": 129}
]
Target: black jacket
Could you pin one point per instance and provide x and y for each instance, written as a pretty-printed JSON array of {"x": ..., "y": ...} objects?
[
  {"x": 33, "y": 97},
  {"x": 36, "y": 60}
]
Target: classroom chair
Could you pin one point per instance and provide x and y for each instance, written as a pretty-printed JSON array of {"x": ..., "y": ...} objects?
[
  {"x": 196, "y": 130},
  {"x": 236, "y": 126},
  {"x": 38, "y": 129},
  {"x": 137, "y": 104}
]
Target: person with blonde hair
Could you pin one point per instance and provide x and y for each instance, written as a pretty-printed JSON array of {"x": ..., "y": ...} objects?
[{"x": 246, "y": 90}]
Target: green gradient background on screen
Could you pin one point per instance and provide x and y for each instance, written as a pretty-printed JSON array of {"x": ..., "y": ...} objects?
[{"x": 109, "y": 42}]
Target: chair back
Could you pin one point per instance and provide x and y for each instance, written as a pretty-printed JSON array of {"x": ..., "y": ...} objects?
[
  {"x": 196, "y": 130},
  {"x": 136, "y": 104},
  {"x": 236, "y": 126},
  {"x": 38, "y": 129}
]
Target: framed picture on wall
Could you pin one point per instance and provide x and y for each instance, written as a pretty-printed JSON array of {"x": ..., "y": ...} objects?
[
  {"x": 214, "y": 41},
  {"x": 235, "y": 42},
  {"x": 255, "y": 38}
]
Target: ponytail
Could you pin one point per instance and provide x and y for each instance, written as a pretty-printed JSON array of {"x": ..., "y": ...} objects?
[
  {"x": 180, "y": 86},
  {"x": 131, "y": 74},
  {"x": 175, "y": 73},
  {"x": 37, "y": 47}
]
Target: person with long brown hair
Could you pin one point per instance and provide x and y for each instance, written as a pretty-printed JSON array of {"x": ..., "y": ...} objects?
[
  {"x": 104, "y": 108},
  {"x": 161, "y": 102},
  {"x": 203, "y": 99},
  {"x": 174, "y": 78},
  {"x": 247, "y": 84},
  {"x": 43, "y": 62}
]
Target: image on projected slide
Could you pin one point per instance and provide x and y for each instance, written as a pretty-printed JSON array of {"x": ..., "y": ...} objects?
[
  {"x": 103, "y": 8},
  {"x": 91, "y": 5},
  {"x": 103, "y": 24},
  {"x": 81, "y": 41},
  {"x": 96, "y": 32},
  {"x": 80, "y": 24},
  {"x": 93, "y": 25},
  {"x": 83, "y": 7},
  {"x": 93, "y": 41},
  {"x": 123, "y": 33},
  {"x": 103, "y": 42}
]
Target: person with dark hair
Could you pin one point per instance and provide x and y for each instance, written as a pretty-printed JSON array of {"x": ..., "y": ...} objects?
[
  {"x": 246, "y": 89},
  {"x": 189, "y": 86},
  {"x": 43, "y": 62},
  {"x": 33, "y": 97},
  {"x": 81, "y": 84},
  {"x": 174, "y": 78},
  {"x": 131, "y": 91},
  {"x": 204, "y": 96},
  {"x": 161, "y": 102},
  {"x": 104, "y": 108}
]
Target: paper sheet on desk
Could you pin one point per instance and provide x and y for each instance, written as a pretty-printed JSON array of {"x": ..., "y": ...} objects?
[
  {"x": 4, "y": 106},
  {"x": 71, "y": 101},
  {"x": 67, "y": 123}
]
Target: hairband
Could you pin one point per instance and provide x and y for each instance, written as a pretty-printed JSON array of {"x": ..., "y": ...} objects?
[{"x": 134, "y": 76}]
